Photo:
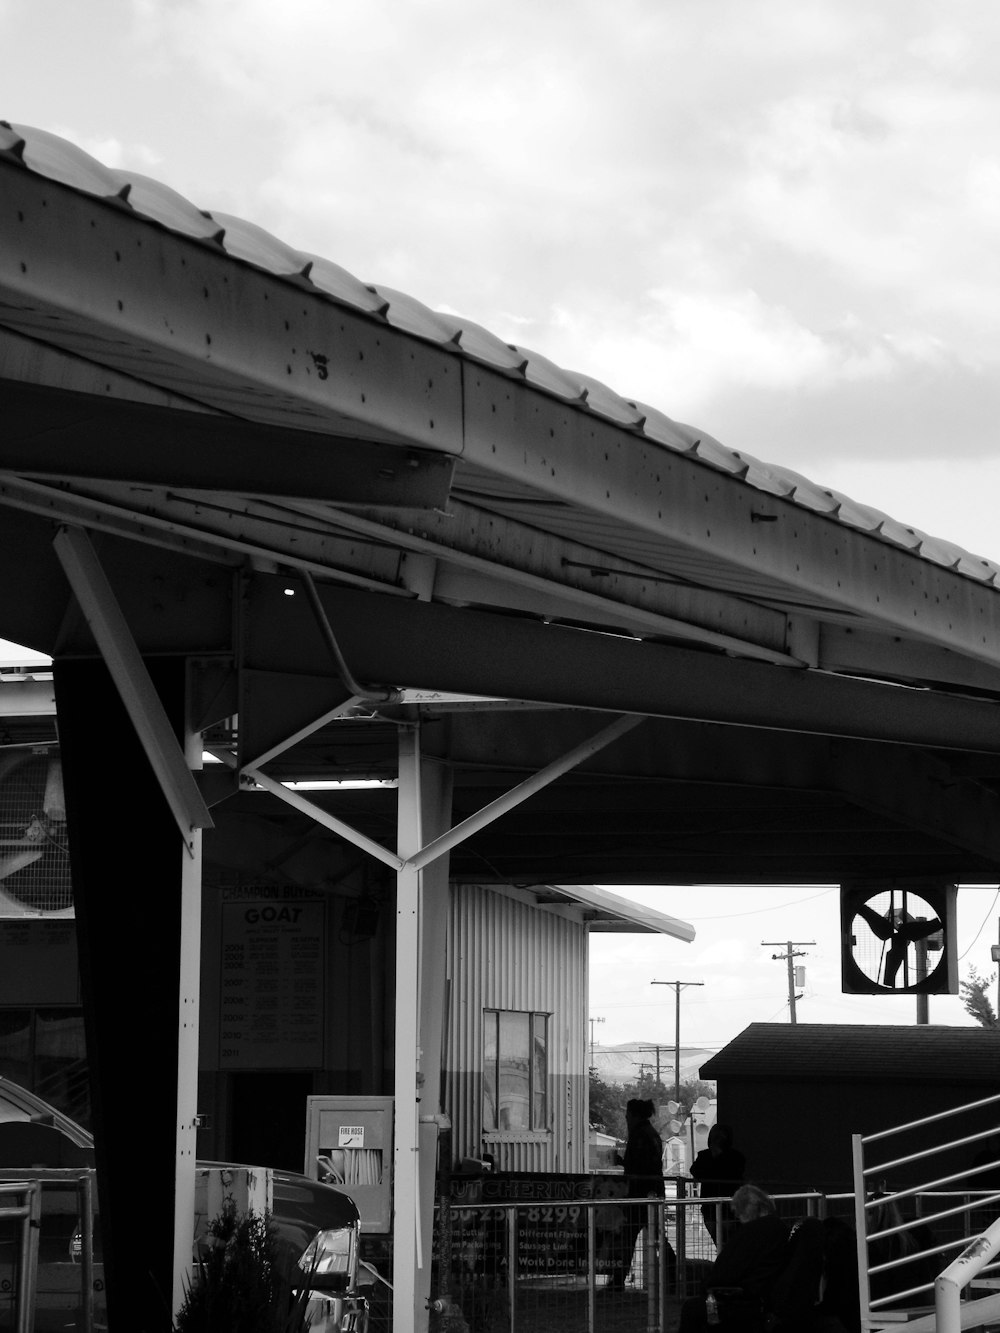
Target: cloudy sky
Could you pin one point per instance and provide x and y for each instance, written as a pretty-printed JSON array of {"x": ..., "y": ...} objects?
[
  {"x": 774, "y": 219},
  {"x": 743, "y": 981}
]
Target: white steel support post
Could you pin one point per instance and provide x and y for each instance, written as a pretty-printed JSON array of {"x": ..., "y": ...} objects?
[
  {"x": 407, "y": 1316},
  {"x": 187, "y": 1049},
  {"x": 421, "y": 922}
]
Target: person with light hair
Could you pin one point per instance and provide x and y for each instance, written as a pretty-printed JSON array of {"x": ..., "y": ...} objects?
[
  {"x": 747, "y": 1265},
  {"x": 750, "y": 1203}
]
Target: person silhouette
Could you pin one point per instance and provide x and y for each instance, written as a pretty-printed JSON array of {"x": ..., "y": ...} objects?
[{"x": 902, "y": 930}]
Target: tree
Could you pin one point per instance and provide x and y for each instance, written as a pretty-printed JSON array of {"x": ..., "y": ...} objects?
[
  {"x": 608, "y": 1100},
  {"x": 607, "y": 1107},
  {"x": 976, "y": 1002}
]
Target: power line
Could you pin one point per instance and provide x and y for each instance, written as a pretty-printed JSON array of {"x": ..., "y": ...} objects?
[{"x": 678, "y": 986}]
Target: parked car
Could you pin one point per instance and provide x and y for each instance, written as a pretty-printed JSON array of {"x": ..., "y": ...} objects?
[{"x": 317, "y": 1225}]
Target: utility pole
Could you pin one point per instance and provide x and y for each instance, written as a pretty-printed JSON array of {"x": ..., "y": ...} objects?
[
  {"x": 640, "y": 1049},
  {"x": 678, "y": 986},
  {"x": 592, "y": 1022},
  {"x": 922, "y": 948},
  {"x": 788, "y": 955}
]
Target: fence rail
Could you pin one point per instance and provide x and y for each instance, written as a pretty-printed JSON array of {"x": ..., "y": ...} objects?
[
  {"x": 48, "y": 1275},
  {"x": 598, "y": 1264}
]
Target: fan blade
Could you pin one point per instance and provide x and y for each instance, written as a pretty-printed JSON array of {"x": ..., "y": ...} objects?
[
  {"x": 54, "y": 802},
  {"x": 10, "y": 865}
]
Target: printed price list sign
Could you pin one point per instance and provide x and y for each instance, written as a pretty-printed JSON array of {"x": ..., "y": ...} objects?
[{"x": 272, "y": 1000}]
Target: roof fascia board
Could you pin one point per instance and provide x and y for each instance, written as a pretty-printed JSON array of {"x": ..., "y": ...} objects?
[
  {"x": 862, "y": 652},
  {"x": 97, "y": 281},
  {"x": 576, "y": 457},
  {"x": 642, "y": 919},
  {"x": 621, "y": 915},
  {"x": 526, "y": 896}
]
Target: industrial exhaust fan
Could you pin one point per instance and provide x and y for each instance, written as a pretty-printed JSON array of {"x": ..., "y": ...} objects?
[{"x": 34, "y": 852}]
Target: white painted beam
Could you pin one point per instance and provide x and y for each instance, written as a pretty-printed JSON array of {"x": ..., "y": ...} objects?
[{"x": 122, "y": 657}]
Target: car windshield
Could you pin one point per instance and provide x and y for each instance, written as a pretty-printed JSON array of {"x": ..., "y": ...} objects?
[{"x": 18, "y": 1105}]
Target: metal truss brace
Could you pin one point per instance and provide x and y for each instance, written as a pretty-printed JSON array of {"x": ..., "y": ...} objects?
[
  {"x": 439, "y": 846},
  {"x": 513, "y": 798},
  {"x": 342, "y": 710},
  {"x": 128, "y": 671},
  {"x": 314, "y": 811}
]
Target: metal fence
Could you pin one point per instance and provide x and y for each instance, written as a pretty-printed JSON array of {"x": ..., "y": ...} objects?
[
  {"x": 49, "y": 1279},
  {"x": 599, "y": 1265}
]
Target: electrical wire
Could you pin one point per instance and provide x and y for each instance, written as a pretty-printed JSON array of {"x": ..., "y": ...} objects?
[
  {"x": 989, "y": 913},
  {"x": 757, "y": 911}
]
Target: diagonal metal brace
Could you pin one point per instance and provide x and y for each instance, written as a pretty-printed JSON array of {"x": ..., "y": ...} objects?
[
  {"x": 128, "y": 671},
  {"x": 513, "y": 798}
]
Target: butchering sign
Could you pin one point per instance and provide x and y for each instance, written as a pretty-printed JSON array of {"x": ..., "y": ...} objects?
[{"x": 551, "y": 1223}]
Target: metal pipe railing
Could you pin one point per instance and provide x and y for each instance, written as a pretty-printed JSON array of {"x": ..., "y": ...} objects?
[
  {"x": 874, "y": 1314},
  {"x": 35, "y": 1181},
  {"x": 955, "y": 1279},
  {"x": 28, "y": 1213},
  {"x": 930, "y": 1119}
]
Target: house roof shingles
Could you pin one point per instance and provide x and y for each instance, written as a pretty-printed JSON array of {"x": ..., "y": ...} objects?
[{"x": 877, "y": 1053}]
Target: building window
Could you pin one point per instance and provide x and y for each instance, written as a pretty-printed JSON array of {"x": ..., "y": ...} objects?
[{"x": 515, "y": 1070}]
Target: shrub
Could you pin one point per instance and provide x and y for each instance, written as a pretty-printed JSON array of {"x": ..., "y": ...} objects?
[{"x": 242, "y": 1282}]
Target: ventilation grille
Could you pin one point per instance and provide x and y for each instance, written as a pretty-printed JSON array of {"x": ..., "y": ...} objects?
[{"x": 34, "y": 854}]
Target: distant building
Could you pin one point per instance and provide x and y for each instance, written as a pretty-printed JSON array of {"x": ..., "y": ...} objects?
[{"x": 795, "y": 1093}]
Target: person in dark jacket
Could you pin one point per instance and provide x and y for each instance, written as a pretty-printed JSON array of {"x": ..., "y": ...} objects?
[
  {"x": 718, "y": 1170},
  {"x": 748, "y": 1263},
  {"x": 643, "y": 1167}
]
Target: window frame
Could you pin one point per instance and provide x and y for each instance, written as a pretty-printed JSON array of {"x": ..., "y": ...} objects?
[{"x": 536, "y": 1073}]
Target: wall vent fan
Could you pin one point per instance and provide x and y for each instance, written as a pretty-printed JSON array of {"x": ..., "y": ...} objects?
[{"x": 34, "y": 852}]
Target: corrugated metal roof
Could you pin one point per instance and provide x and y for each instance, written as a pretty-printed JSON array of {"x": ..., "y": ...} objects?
[
  {"x": 769, "y": 1051},
  {"x": 607, "y": 912},
  {"x": 56, "y": 159}
]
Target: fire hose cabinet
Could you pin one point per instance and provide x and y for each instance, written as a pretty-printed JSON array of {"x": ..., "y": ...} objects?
[{"x": 349, "y": 1144}]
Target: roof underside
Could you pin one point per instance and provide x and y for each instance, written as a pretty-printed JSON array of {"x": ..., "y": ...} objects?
[{"x": 226, "y": 417}]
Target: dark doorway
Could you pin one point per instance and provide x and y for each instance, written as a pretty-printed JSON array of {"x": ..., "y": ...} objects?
[{"x": 269, "y": 1118}]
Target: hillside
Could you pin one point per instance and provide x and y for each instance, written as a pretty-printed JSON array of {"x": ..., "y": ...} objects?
[{"x": 629, "y": 1061}]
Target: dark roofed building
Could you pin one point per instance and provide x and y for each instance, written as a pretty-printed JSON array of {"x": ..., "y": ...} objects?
[{"x": 795, "y": 1093}]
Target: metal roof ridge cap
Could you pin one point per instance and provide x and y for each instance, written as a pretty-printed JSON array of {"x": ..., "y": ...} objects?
[
  {"x": 11, "y": 143},
  {"x": 60, "y": 160}
]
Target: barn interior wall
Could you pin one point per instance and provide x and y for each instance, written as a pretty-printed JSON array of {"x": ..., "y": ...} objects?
[{"x": 506, "y": 954}]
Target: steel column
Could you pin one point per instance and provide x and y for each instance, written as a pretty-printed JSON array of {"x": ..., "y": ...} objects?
[
  {"x": 188, "y": 1013},
  {"x": 408, "y": 1314}
]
